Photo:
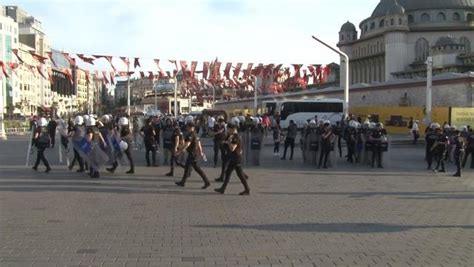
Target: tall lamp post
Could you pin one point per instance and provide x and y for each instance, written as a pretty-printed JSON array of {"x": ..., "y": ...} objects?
[
  {"x": 3, "y": 135},
  {"x": 177, "y": 79},
  {"x": 429, "y": 85},
  {"x": 346, "y": 83}
]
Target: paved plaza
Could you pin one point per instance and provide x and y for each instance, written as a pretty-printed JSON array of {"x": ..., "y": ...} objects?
[{"x": 296, "y": 215}]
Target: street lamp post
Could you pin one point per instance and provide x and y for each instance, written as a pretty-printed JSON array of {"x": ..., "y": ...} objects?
[
  {"x": 346, "y": 84},
  {"x": 176, "y": 96},
  {"x": 429, "y": 85},
  {"x": 3, "y": 135},
  {"x": 128, "y": 90}
]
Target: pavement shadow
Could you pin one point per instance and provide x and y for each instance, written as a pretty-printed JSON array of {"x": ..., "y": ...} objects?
[
  {"x": 359, "y": 228},
  {"x": 401, "y": 195}
]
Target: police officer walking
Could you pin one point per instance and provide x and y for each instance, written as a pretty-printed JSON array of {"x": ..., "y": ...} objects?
[
  {"x": 326, "y": 145},
  {"x": 42, "y": 141},
  {"x": 193, "y": 146},
  {"x": 149, "y": 134},
  {"x": 470, "y": 148},
  {"x": 235, "y": 161},
  {"x": 459, "y": 147},
  {"x": 292, "y": 131},
  {"x": 176, "y": 143},
  {"x": 125, "y": 135},
  {"x": 219, "y": 137},
  {"x": 77, "y": 133},
  {"x": 439, "y": 149}
]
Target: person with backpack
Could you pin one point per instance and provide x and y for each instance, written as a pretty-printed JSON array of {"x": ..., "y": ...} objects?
[{"x": 42, "y": 141}]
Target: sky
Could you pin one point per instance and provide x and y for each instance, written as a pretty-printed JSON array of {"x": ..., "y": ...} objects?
[{"x": 256, "y": 31}]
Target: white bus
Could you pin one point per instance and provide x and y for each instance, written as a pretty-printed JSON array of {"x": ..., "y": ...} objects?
[{"x": 302, "y": 110}]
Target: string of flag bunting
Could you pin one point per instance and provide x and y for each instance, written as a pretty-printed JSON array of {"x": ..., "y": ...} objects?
[{"x": 275, "y": 78}]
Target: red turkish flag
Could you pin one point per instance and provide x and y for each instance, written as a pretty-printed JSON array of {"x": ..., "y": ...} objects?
[
  {"x": 228, "y": 66},
  {"x": 13, "y": 66},
  {"x": 136, "y": 63},
  {"x": 248, "y": 71},
  {"x": 205, "y": 70},
  {"x": 15, "y": 52},
  {"x": 150, "y": 75},
  {"x": 216, "y": 70},
  {"x": 297, "y": 71},
  {"x": 142, "y": 74},
  {"x": 87, "y": 75},
  {"x": 86, "y": 59},
  {"x": 4, "y": 69},
  {"x": 193, "y": 68},
  {"x": 104, "y": 75},
  {"x": 38, "y": 58},
  {"x": 268, "y": 70},
  {"x": 68, "y": 74},
  {"x": 258, "y": 71},
  {"x": 237, "y": 69},
  {"x": 112, "y": 75},
  {"x": 184, "y": 67}
]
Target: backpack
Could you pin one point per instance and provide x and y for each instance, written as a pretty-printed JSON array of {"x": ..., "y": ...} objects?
[{"x": 43, "y": 138}]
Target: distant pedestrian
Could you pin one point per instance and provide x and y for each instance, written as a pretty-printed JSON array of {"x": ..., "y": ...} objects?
[
  {"x": 291, "y": 133},
  {"x": 415, "y": 131}
]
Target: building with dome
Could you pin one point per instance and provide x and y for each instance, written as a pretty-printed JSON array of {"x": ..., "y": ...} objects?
[{"x": 395, "y": 41}]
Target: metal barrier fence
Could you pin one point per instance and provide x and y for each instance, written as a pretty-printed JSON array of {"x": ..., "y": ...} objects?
[{"x": 17, "y": 131}]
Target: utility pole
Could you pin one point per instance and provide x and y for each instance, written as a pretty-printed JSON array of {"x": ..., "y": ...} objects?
[{"x": 429, "y": 85}]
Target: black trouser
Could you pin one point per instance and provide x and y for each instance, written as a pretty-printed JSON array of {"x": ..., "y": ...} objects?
[
  {"x": 439, "y": 157},
  {"x": 429, "y": 157},
  {"x": 79, "y": 160},
  {"x": 150, "y": 149},
  {"x": 416, "y": 135},
  {"x": 191, "y": 161},
  {"x": 377, "y": 154},
  {"x": 53, "y": 138},
  {"x": 276, "y": 148},
  {"x": 339, "y": 145},
  {"x": 40, "y": 157},
  {"x": 235, "y": 164},
  {"x": 324, "y": 155},
  {"x": 457, "y": 160},
  {"x": 173, "y": 161},
  {"x": 289, "y": 142},
  {"x": 218, "y": 146},
  {"x": 469, "y": 151},
  {"x": 128, "y": 153},
  {"x": 350, "y": 151}
]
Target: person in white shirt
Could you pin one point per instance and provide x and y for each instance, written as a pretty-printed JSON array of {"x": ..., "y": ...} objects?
[{"x": 415, "y": 130}]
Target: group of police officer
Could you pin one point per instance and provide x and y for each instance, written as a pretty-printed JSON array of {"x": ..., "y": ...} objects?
[{"x": 448, "y": 144}]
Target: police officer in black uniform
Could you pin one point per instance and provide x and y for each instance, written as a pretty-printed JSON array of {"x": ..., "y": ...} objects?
[
  {"x": 326, "y": 137},
  {"x": 430, "y": 139},
  {"x": 219, "y": 138},
  {"x": 42, "y": 141},
  {"x": 193, "y": 146},
  {"x": 459, "y": 146},
  {"x": 439, "y": 150},
  {"x": 376, "y": 140},
  {"x": 235, "y": 161},
  {"x": 76, "y": 132},
  {"x": 125, "y": 135},
  {"x": 149, "y": 135},
  {"x": 469, "y": 148},
  {"x": 168, "y": 147},
  {"x": 176, "y": 142}
]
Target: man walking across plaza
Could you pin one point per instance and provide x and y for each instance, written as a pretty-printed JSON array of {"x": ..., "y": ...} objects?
[
  {"x": 193, "y": 146},
  {"x": 234, "y": 161},
  {"x": 459, "y": 146}
]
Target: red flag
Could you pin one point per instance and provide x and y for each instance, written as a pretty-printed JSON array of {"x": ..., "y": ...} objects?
[
  {"x": 258, "y": 71},
  {"x": 312, "y": 73},
  {"x": 237, "y": 70},
  {"x": 228, "y": 66},
  {"x": 150, "y": 75},
  {"x": 193, "y": 68},
  {"x": 248, "y": 71},
  {"x": 142, "y": 74},
  {"x": 50, "y": 75},
  {"x": 319, "y": 71},
  {"x": 297, "y": 71},
  {"x": 86, "y": 59},
  {"x": 40, "y": 71},
  {"x": 68, "y": 74},
  {"x": 216, "y": 70},
  {"x": 87, "y": 75},
  {"x": 184, "y": 67},
  {"x": 268, "y": 70},
  {"x": 136, "y": 63},
  {"x": 112, "y": 75},
  {"x": 104, "y": 75},
  {"x": 173, "y": 62},
  {"x": 126, "y": 61},
  {"x": 32, "y": 69},
  {"x": 205, "y": 69},
  {"x": 15, "y": 52},
  {"x": 38, "y": 58},
  {"x": 4, "y": 69},
  {"x": 50, "y": 55},
  {"x": 71, "y": 60},
  {"x": 13, "y": 66}
]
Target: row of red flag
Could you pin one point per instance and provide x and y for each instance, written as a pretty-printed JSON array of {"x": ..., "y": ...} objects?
[{"x": 275, "y": 77}]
